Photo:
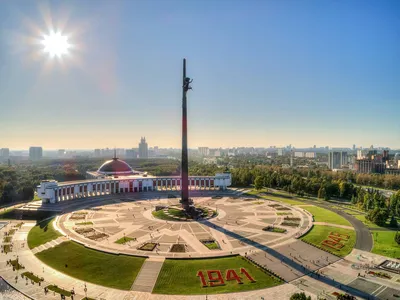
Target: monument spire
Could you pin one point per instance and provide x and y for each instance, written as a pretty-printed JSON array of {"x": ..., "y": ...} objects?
[{"x": 184, "y": 163}]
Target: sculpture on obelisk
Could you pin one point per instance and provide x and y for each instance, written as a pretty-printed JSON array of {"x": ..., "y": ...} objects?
[{"x": 184, "y": 163}]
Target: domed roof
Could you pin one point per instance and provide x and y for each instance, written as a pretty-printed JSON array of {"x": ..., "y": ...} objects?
[{"x": 115, "y": 167}]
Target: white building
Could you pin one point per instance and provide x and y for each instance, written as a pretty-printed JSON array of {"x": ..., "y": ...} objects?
[
  {"x": 116, "y": 176},
  {"x": 204, "y": 151},
  {"x": 310, "y": 155}
]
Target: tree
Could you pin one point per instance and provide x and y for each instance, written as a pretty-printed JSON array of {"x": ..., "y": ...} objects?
[
  {"x": 393, "y": 222},
  {"x": 300, "y": 296},
  {"x": 397, "y": 237},
  {"x": 258, "y": 183},
  {"x": 378, "y": 216},
  {"x": 321, "y": 193}
]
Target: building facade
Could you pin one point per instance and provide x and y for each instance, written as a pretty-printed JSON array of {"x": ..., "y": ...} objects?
[
  {"x": 131, "y": 153},
  {"x": 204, "y": 151},
  {"x": 143, "y": 148},
  {"x": 337, "y": 159},
  {"x": 367, "y": 166},
  {"x": 4, "y": 152},
  {"x": 35, "y": 153},
  {"x": 116, "y": 176}
]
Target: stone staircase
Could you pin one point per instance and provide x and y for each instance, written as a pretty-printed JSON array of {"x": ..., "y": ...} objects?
[
  {"x": 148, "y": 275},
  {"x": 50, "y": 244}
]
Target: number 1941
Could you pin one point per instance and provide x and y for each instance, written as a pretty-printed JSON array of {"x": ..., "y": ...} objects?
[{"x": 215, "y": 277}]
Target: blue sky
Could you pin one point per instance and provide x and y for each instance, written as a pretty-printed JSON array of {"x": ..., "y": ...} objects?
[{"x": 265, "y": 73}]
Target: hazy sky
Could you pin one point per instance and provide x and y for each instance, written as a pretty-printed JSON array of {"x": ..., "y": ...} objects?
[{"x": 265, "y": 73}]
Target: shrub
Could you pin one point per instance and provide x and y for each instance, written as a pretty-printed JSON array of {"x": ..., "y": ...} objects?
[{"x": 300, "y": 296}]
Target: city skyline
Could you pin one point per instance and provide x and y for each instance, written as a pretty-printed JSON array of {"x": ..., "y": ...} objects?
[{"x": 265, "y": 73}]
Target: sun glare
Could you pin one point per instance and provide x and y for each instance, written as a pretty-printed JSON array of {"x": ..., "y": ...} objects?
[{"x": 55, "y": 44}]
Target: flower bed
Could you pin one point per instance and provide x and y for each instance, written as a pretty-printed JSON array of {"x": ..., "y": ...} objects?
[
  {"x": 58, "y": 290},
  {"x": 211, "y": 244},
  {"x": 380, "y": 274},
  {"x": 282, "y": 208},
  {"x": 16, "y": 265},
  {"x": 292, "y": 219},
  {"x": 7, "y": 248},
  {"x": 290, "y": 224},
  {"x": 84, "y": 230},
  {"x": 274, "y": 229},
  {"x": 178, "y": 248},
  {"x": 84, "y": 223},
  {"x": 7, "y": 239},
  {"x": 148, "y": 247},
  {"x": 32, "y": 277}
]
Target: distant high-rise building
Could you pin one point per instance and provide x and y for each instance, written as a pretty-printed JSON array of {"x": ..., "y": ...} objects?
[
  {"x": 337, "y": 159},
  {"x": 97, "y": 152},
  {"x": 4, "y": 152},
  {"x": 385, "y": 156},
  {"x": 205, "y": 151},
  {"x": 35, "y": 153},
  {"x": 131, "y": 153},
  {"x": 354, "y": 147},
  {"x": 143, "y": 148},
  {"x": 281, "y": 151},
  {"x": 61, "y": 153}
]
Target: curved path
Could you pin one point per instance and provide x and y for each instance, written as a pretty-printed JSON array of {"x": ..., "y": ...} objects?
[{"x": 364, "y": 239}]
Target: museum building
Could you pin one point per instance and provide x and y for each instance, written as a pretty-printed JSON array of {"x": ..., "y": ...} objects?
[{"x": 116, "y": 176}]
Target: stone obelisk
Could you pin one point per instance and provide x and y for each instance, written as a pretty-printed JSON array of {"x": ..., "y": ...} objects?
[{"x": 184, "y": 163}]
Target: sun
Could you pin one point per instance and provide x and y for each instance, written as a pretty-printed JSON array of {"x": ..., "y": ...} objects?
[{"x": 56, "y": 44}]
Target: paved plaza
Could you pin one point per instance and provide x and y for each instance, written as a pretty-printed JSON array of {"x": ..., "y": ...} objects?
[{"x": 237, "y": 229}]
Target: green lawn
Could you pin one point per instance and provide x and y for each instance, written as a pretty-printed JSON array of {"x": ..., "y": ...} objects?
[
  {"x": 7, "y": 213},
  {"x": 319, "y": 233},
  {"x": 179, "y": 277},
  {"x": 163, "y": 216},
  {"x": 384, "y": 244},
  {"x": 123, "y": 240},
  {"x": 42, "y": 233},
  {"x": 370, "y": 224},
  {"x": 110, "y": 270},
  {"x": 324, "y": 215}
]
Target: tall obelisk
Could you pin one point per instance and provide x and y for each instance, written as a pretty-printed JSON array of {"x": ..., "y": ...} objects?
[{"x": 184, "y": 163}]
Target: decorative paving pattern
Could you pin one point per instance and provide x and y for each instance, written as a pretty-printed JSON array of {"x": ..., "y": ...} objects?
[{"x": 238, "y": 227}]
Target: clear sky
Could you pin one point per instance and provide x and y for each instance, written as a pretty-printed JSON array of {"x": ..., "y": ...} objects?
[{"x": 265, "y": 73}]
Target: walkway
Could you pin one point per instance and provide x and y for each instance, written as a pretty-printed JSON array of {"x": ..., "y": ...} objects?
[{"x": 148, "y": 275}]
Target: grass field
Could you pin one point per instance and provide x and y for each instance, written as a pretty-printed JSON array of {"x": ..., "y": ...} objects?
[
  {"x": 319, "y": 233},
  {"x": 324, "y": 215},
  {"x": 179, "y": 277},
  {"x": 42, "y": 233},
  {"x": 114, "y": 271},
  {"x": 384, "y": 244}
]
